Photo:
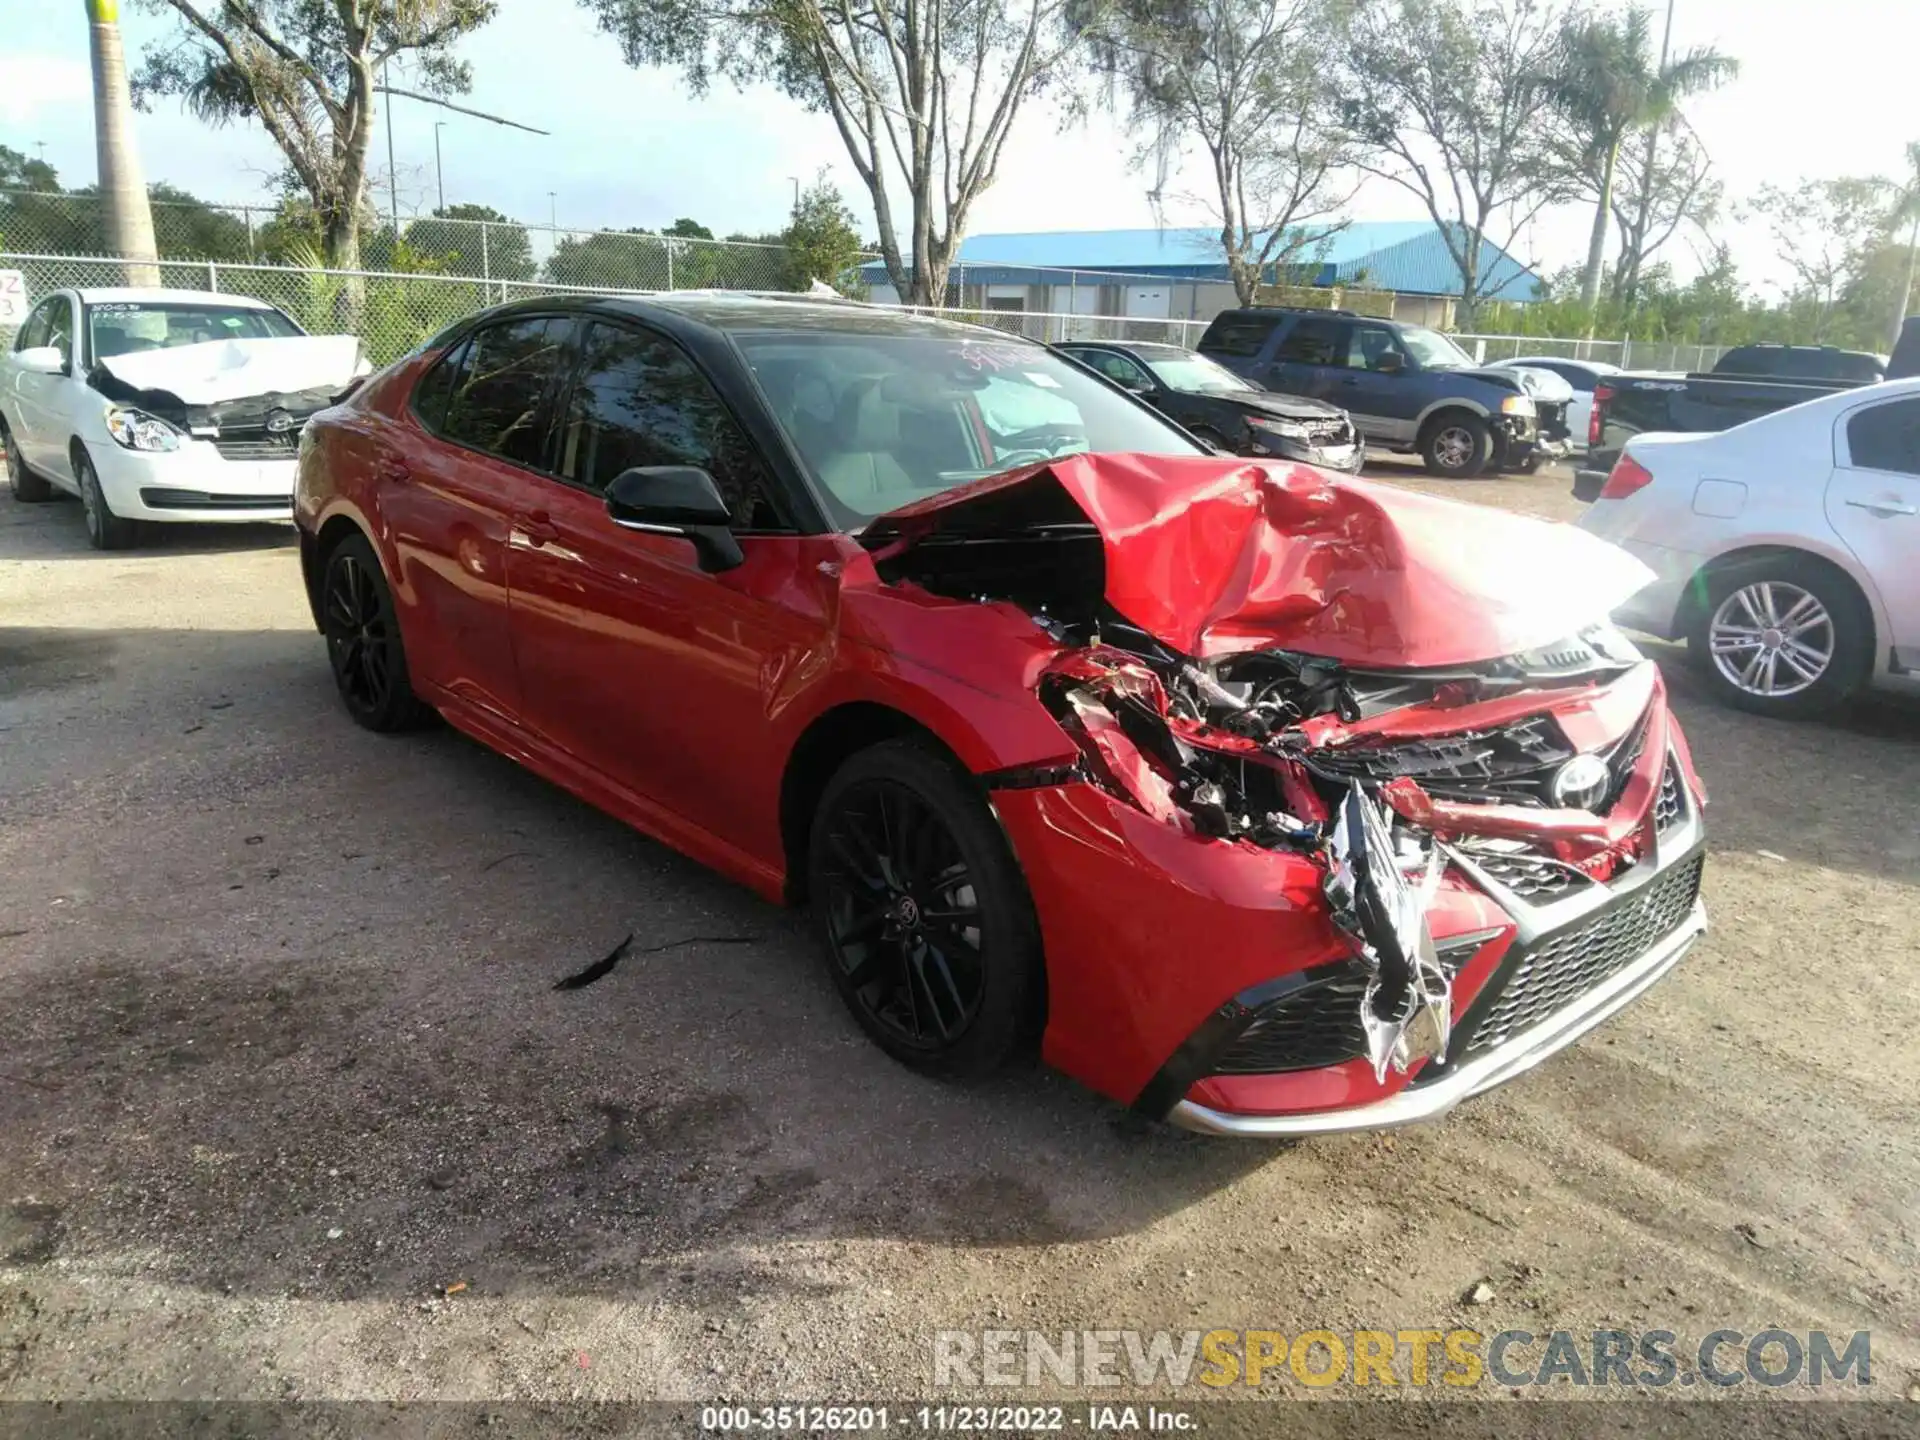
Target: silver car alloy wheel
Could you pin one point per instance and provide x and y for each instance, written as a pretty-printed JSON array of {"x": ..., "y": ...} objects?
[
  {"x": 90, "y": 502},
  {"x": 1453, "y": 447},
  {"x": 1771, "y": 639},
  {"x": 15, "y": 470}
]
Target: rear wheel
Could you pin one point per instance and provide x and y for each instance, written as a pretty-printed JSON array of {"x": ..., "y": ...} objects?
[
  {"x": 1787, "y": 637},
  {"x": 928, "y": 929},
  {"x": 106, "y": 530},
  {"x": 1456, "y": 444},
  {"x": 363, "y": 640},
  {"x": 22, "y": 483}
]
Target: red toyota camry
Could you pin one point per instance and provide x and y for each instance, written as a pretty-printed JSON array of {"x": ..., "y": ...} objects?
[{"x": 1267, "y": 802}]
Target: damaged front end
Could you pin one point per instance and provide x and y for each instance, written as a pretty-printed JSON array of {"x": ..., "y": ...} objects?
[
  {"x": 248, "y": 398},
  {"x": 1454, "y": 861}
]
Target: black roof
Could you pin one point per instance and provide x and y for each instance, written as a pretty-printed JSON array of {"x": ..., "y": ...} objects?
[
  {"x": 1130, "y": 347},
  {"x": 733, "y": 312}
]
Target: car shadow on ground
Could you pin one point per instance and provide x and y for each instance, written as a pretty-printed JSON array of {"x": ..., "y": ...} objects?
[
  {"x": 287, "y": 1024},
  {"x": 289, "y": 1027},
  {"x": 57, "y": 529}
]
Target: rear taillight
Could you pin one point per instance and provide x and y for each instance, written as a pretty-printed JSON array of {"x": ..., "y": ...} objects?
[
  {"x": 1597, "y": 417},
  {"x": 1627, "y": 476}
]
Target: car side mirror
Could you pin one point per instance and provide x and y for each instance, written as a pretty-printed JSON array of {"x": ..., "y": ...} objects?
[
  {"x": 41, "y": 360},
  {"x": 676, "y": 500},
  {"x": 1391, "y": 363}
]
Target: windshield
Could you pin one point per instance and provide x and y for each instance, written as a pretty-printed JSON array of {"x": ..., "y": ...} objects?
[
  {"x": 1195, "y": 374},
  {"x": 884, "y": 420},
  {"x": 126, "y": 327},
  {"x": 1432, "y": 350}
]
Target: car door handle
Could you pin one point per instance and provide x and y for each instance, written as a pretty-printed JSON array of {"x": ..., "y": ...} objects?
[
  {"x": 1351, "y": 380},
  {"x": 1885, "y": 509},
  {"x": 538, "y": 527}
]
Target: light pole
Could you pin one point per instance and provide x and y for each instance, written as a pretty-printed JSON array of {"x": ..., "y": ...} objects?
[
  {"x": 393, "y": 174},
  {"x": 439, "y": 176},
  {"x": 796, "y": 191},
  {"x": 553, "y": 212}
]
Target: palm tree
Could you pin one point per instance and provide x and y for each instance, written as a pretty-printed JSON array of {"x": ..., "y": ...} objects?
[
  {"x": 129, "y": 216},
  {"x": 1907, "y": 212},
  {"x": 1610, "y": 86}
]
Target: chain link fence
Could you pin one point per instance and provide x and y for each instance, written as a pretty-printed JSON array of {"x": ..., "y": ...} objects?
[
  {"x": 511, "y": 251},
  {"x": 433, "y": 270},
  {"x": 1056, "y": 327},
  {"x": 391, "y": 313},
  {"x": 1640, "y": 355}
]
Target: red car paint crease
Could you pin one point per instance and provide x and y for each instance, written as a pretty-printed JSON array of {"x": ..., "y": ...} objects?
[{"x": 1213, "y": 557}]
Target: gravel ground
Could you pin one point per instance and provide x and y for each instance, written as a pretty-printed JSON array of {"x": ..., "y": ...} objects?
[{"x": 284, "y": 1064}]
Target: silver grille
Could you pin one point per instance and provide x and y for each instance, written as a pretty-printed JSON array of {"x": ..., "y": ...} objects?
[
  {"x": 1667, "y": 809},
  {"x": 256, "y": 447},
  {"x": 1531, "y": 877},
  {"x": 1561, "y": 967}
]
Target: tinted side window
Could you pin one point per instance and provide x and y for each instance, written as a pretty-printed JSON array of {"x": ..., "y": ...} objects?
[
  {"x": 499, "y": 404},
  {"x": 1886, "y": 437},
  {"x": 1117, "y": 367},
  {"x": 1315, "y": 342},
  {"x": 1369, "y": 347},
  {"x": 436, "y": 387},
  {"x": 33, "y": 334},
  {"x": 1244, "y": 335},
  {"x": 60, "y": 327},
  {"x": 639, "y": 401}
]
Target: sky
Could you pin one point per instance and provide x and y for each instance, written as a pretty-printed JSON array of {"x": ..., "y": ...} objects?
[{"x": 1826, "y": 89}]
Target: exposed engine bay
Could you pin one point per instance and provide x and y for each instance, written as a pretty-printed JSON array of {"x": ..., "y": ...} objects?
[
  {"x": 1379, "y": 773},
  {"x": 1271, "y": 748}
]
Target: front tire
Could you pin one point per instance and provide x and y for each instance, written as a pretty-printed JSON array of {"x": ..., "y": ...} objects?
[
  {"x": 927, "y": 927},
  {"x": 105, "y": 530},
  {"x": 22, "y": 483},
  {"x": 1786, "y": 637},
  {"x": 363, "y": 641},
  {"x": 1457, "y": 445}
]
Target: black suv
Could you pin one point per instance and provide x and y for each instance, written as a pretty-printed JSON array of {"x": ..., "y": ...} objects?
[{"x": 1408, "y": 388}]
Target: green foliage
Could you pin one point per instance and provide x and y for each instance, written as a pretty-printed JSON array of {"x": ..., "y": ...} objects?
[
  {"x": 1449, "y": 95},
  {"x": 821, "y": 243},
  {"x": 609, "y": 261},
  {"x": 20, "y": 172},
  {"x": 500, "y": 250},
  {"x": 300, "y": 69}
]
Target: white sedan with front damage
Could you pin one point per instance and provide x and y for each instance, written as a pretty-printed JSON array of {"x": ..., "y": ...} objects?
[{"x": 162, "y": 405}]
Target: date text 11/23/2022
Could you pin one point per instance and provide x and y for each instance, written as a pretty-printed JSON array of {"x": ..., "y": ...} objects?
[{"x": 1009, "y": 1419}]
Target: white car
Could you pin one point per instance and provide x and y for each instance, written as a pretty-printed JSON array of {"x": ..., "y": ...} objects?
[
  {"x": 1787, "y": 549},
  {"x": 155, "y": 405},
  {"x": 1582, "y": 376}
]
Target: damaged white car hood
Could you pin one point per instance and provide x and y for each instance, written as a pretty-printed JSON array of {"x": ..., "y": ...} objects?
[{"x": 221, "y": 370}]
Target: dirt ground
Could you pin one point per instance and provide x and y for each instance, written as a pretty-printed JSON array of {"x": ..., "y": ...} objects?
[{"x": 283, "y": 1062}]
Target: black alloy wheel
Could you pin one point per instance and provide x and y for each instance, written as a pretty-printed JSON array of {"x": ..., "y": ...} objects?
[
  {"x": 363, "y": 640},
  {"x": 928, "y": 928}
]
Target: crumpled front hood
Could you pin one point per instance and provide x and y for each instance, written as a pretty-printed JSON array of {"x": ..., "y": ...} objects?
[
  {"x": 1213, "y": 556},
  {"x": 221, "y": 370},
  {"x": 1286, "y": 407}
]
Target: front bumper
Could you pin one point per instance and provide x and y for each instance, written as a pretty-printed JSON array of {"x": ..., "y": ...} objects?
[
  {"x": 1508, "y": 1061},
  {"x": 1344, "y": 459},
  {"x": 1227, "y": 1001},
  {"x": 194, "y": 483}
]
